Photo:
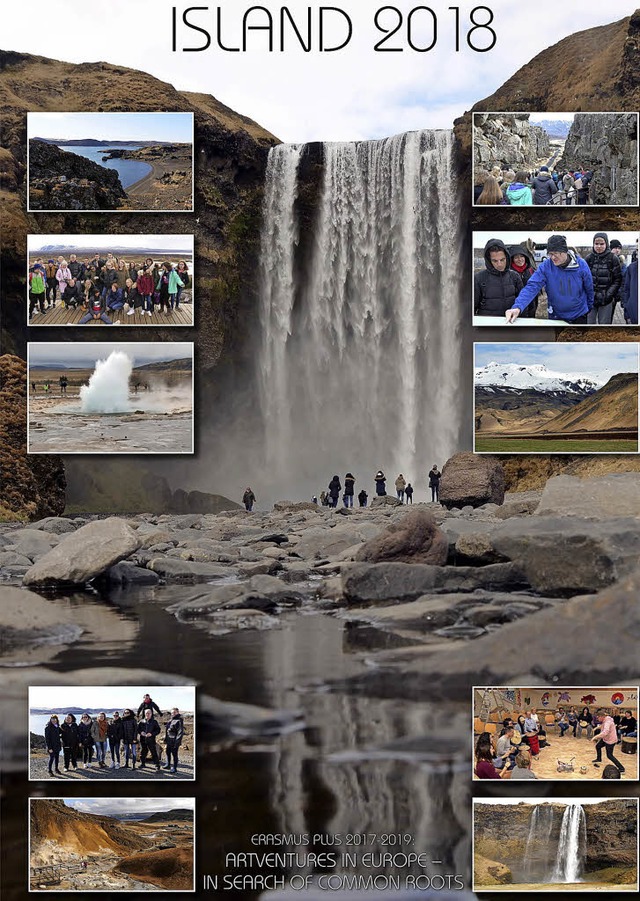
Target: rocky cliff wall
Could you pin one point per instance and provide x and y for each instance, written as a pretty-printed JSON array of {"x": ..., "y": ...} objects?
[
  {"x": 509, "y": 141},
  {"x": 66, "y": 181},
  {"x": 607, "y": 144}
]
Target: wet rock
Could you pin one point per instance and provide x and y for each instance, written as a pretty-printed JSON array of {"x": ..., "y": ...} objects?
[
  {"x": 476, "y": 549},
  {"x": 152, "y": 536},
  {"x": 85, "y": 554},
  {"x": 413, "y": 539},
  {"x": 385, "y": 500},
  {"x": 257, "y": 569},
  {"x": 12, "y": 558},
  {"x": 224, "y": 621},
  {"x": 28, "y": 619},
  {"x": 125, "y": 573},
  {"x": 204, "y": 602},
  {"x": 328, "y": 542},
  {"x": 521, "y": 503},
  {"x": 174, "y": 570},
  {"x": 32, "y": 543},
  {"x": 380, "y": 582},
  {"x": 56, "y": 524},
  {"x": 274, "y": 553},
  {"x": 272, "y": 537},
  {"x": 562, "y": 556},
  {"x": 610, "y": 496},
  {"x": 471, "y": 480}
]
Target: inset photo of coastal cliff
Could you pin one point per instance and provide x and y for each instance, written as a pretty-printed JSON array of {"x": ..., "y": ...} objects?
[
  {"x": 563, "y": 845},
  {"x": 110, "y": 280},
  {"x": 110, "y": 398},
  {"x": 111, "y": 732},
  {"x": 125, "y": 162},
  {"x": 555, "y": 278},
  {"x": 127, "y": 844},
  {"x": 555, "y": 159},
  {"x": 552, "y": 398}
]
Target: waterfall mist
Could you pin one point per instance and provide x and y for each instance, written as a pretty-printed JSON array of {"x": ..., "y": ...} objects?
[
  {"x": 540, "y": 852},
  {"x": 572, "y": 845},
  {"x": 360, "y": 360},
  {"x": 108, "y": 388}
]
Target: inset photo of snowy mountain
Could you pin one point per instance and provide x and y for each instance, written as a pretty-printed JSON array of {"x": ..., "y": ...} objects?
[{"x": 549, "y": 398}]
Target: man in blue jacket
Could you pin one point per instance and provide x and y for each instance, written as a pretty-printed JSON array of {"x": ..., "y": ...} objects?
[{"x": 567, "y": 280}]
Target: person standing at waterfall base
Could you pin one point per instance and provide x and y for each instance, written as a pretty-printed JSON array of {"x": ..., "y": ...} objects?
[
  {"x": 381, "y": 483},
  {"x": 363, "y": 497},
  {"x": 400, "y": 486},
  {"x": 408, "y": 493},
  {"x": 606, "y": 738},
  {"x": 434, "y": 483},
  {"x": 248, "y": 499},
  {"x": 349, "y": 482},
  {"x": 334, "y": 490}
]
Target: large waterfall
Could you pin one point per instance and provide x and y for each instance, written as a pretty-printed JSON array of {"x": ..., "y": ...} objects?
[
  {"x": 538, "y": 854},
  {"x": 571, "y": 845},
  {"x": 360, "y": 363}
]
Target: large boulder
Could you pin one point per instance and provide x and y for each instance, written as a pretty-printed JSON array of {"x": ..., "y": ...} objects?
[
  {"x": 413, "y": 539},
  {"x": 471, "y": 480},
  {"x": 612, "y": 495},
  {"x": 566, "y": 556},
  {"x": 385, "y": 500},
  {"x": 34, "y": 485},
  {"x": 84, "y": 554},
  {"x": 295, "y": 506}
]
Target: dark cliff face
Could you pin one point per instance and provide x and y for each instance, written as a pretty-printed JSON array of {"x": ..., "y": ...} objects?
[{"x": 66, "y": 181}]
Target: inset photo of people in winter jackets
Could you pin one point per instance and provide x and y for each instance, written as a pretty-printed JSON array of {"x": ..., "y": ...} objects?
[
  {"x": 555, "y": 159},
  {"x": 555, "y": 278},
  {"x": 112, "y": 732},
  {"x": 110, "y": 280}
]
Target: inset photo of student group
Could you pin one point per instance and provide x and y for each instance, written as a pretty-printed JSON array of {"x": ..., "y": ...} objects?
[
  {"x": 110, "y": 280},
  {"x": 538, "y": 278},
  {"x": 111, "y": 733},
  {"x": 555, "y": 159}
]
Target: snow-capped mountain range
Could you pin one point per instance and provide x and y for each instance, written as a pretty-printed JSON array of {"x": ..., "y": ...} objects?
[{"x": 537, "y": 377}]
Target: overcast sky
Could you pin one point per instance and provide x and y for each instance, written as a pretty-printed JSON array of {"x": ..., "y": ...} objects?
[
  {"x": 112, "y": 126},
  {"x": 78, "y": 354},
  {"x": 109, "y": 806},
  {"x": 111, "y": 697},
  {"x": 553, "y": 800},
  {"x": 151, "y": 242},
  {"x": 583, "y": 359},
  {"x": 350, "y": 94}
]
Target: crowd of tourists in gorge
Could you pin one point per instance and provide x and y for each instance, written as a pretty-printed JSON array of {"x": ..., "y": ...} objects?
[
  {"x": 109, "y": 742},
  {"x": 541, "y": 187},
  {"x": 106, "y": 287},
  {"x": 580, "y": 291},
  {"x": 512, "y": 751}
]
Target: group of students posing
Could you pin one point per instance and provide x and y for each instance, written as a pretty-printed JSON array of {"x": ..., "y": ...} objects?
[
  {"x": 504, "y": 187},
  {"x": 404, "y": 489},
  {"x": 101, "y": 286},
  {"x": 579, "y": 291},
  {"x": 520, "y": 741},
  {"x": 121, "y": 736}
]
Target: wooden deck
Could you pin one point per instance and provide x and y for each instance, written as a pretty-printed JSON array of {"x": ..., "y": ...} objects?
[{"x": 60, "y": 315}]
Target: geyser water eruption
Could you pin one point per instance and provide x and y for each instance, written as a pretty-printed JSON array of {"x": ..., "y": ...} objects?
[{"x": 108, "y": 388}]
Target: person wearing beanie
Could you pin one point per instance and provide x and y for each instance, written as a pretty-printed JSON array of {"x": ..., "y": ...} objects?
[
  {"x": 544, "y": 187},
  {"x": 567, "y": 280},
  {"x": 607, "y": 280}
]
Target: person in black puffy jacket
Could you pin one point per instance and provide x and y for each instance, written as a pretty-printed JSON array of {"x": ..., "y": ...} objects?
[
  {"x": 174, "y": 732},
  {"x": 497, "y": 285},
  {"x": 129, "y": 738},
  {"x": 607, "y": 280},
  {"x": 53, "y": 741}
]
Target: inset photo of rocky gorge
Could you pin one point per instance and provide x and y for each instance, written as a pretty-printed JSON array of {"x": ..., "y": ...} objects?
[
  {"x": 557, "y": 159},
  {"x": 554, "y": 398},
  {"x": 125, "y": 162},
  {"x": 111, "y": 845},
  {"x": 563, "y": 845}
]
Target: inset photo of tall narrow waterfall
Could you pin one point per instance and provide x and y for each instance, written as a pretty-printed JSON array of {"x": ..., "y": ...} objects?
[
  {"x": 555, "y": 159},
  {"x": 555, "y": 277},
  {"x": 556, "y": 398},
  {"x": 110, "y": 398},
  {"x": 562, "y": 845}
]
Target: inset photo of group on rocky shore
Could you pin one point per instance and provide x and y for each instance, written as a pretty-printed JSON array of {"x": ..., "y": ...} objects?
[
  {"x": 555, "y": 159},
  {"x": 545, "y": 278},
  {"x": 110, "y": 280},
  {"x": 118, "y": 844},
  {"x": 555, "y": 733},
  {"x": 124, "y": 162},
  {"x": 556, "y": 398},
  {"x": 562, "y": 845},
  {"x": 104, "y": 398},
  {"x": 112, "y": 732}
]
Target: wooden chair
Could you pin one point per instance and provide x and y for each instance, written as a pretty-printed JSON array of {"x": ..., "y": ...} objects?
[
  {"x": 550, "y": 721},
  {"x": 491, "y": 728}
]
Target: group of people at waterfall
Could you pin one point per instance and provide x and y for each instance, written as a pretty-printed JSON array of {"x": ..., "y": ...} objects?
[
  {"x": 508, "y": 187},
  {"x": 518, "y": 743},
  {"x": 127, "y": 738},
  {"x": 106, "y": 287},
  {"x": 579, "y": 291},
  {"x": 404, "y": 489}
]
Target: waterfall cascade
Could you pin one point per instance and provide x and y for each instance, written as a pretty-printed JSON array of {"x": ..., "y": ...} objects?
[
  {"x": 537, "y": 855},
  {"x": 571, "y": 845},
  {"x": 360, "y": 361}
]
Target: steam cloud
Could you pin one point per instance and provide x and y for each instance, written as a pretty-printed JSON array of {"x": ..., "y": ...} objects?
[{"x": 108, "y": 388}]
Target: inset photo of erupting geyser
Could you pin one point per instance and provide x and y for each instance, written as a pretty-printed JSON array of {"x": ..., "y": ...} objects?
[{"x": 109, "y": 398}]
